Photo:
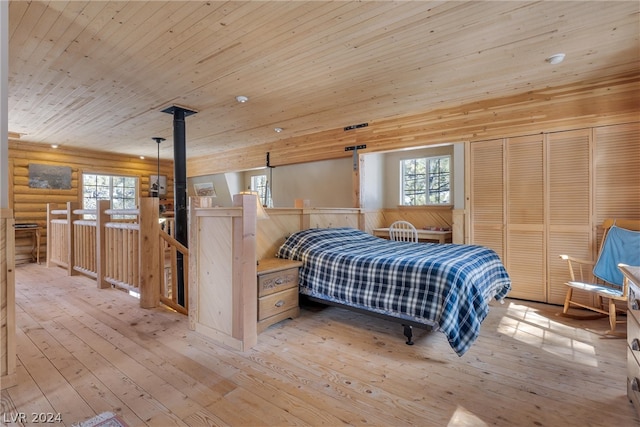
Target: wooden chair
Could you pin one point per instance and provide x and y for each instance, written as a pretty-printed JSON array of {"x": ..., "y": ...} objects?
[
  {"x": 403, "y": 231},
  {"x": 620, "y": 244}
]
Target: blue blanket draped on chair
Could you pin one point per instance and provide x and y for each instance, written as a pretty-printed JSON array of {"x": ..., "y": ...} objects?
[{"x": 620, "y": 246}]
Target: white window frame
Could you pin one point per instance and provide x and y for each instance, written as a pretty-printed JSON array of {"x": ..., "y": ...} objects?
[
  {"x": 410, "y": 199},
  {"x": 260, "y": 184},
  {"x": 111, "y": 190}
]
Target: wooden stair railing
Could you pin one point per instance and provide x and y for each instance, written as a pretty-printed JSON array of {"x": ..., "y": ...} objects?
[
  {"x": 170, "y": 248},
  {"x": 122, "y": 254}
]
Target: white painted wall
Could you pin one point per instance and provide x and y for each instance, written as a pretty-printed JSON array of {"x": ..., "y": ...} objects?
[
  {"x": 392, "y": 171},
  {"x": 326, "y": 184},
  {"x": 329, "y": 183},
  {"x": 372, "y": 178},
  {"x": 223, "y": 197}
]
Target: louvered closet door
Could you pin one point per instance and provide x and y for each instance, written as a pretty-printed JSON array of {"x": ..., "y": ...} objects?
[
  {"x": 617, "y": 172},
  {"x": 487, "y": 195},
  {"x": 569, "y": 190},
  {"x": 525, "y": 235}
]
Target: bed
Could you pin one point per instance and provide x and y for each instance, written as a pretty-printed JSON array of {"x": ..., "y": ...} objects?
[{"x": 444, "y": 287}]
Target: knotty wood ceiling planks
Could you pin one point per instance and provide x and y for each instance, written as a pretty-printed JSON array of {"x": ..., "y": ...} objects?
[{"x": 96, "y": 74}]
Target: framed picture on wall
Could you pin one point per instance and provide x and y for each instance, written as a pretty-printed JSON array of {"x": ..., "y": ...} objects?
[
  {"x": 205, "y": 189},
  {"x": 157, "y": 187}
]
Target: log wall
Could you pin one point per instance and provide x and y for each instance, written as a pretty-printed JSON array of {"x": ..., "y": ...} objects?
[{"x": 30, "y": 204}]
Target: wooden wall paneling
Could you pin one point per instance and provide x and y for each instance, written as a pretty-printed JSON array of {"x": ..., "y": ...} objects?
[
  {"x": 373, "y": 219},
  {"x": 421, "y": 216},
  {"x": 271, "y": 232},
  {"x": 486, "y": 193},
  {"x": 525, "y": 233},
  {"x": 617, "y": 172},
  {"x": 8, "y": 376},
  {"x": 330, "y": 218},
  {"x": 601, "y": 102},
  {"x": 222, "y": 273},
  {"x": 215, "y": 244},
  {"x": 570, "y": 228}
]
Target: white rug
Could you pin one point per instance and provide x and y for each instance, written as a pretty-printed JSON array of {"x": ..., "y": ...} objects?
[{"x": 105, "y": 419}]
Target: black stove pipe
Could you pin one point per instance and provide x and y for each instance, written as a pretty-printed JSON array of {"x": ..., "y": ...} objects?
[{"x": 180, "y": 189}]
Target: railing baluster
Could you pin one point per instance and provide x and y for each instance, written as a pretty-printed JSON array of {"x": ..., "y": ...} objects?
[{"x": 110, "y": 250}]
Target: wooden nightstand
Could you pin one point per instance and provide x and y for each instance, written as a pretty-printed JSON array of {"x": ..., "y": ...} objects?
[{"x": 277, "y": 291}]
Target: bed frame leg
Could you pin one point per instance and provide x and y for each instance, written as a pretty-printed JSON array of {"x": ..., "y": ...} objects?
[{"x": 408, "y": 332}]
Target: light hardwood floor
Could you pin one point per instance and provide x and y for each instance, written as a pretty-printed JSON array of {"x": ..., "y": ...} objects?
[{"x": 83, "y": 351}]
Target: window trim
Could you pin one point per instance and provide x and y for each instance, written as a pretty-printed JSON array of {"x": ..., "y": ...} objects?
[
  {"x": 402, "y": 181},
  {"x": 264, "y": 195},
  {"x": 111, "y": 175}
]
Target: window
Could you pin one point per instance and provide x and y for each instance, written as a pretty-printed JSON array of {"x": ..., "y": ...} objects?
[
  {"x": 259, "y": 184},
  {"x": 425, "y": 181},
  {"x": 120, "y": 190}
]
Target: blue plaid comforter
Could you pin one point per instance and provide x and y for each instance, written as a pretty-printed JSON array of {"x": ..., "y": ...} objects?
[{"x": 445, "y": 286}]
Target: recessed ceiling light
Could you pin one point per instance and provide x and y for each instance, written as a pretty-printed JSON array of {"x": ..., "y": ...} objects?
[
  {"x": 141, "y": 157},
  {"x": 555, "y": 59},
  {"x": 54, "y": 145},
  {"x": 241, "y": 99},
  {"x": 278, "y": 129}
]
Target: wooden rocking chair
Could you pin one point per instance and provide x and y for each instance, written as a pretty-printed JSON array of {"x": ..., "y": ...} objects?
[{"x": 620, "y": 244}]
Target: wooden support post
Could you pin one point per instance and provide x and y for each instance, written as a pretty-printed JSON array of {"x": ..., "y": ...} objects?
[
  {"x": 8, "y": 375},
  {"x": 50, "y": 207},
  {"x": 458, "y": 232},
  {"x": 193, "y": 284},
  {"x": 305, "y": 220},
  {"x": 149, "y": 253},
  {"x": 101, "y": 244},
  {"x": 245, "y": 290},
  {"x": 71, "y": 256}
]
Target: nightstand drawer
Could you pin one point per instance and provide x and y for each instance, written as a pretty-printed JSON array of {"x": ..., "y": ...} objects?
[
  {"x": 277, "y": 303},
  {"x": 633, "y": 381},
  {"x": 634, "y": 302},
  {"x": 270, "y": 283},
  {"x": 633, "y": 337}
]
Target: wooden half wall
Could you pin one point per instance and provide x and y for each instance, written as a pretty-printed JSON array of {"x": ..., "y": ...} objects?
[
  {"x": 226, "y": 244},
  {"x": 223, "y": 292},
  {"x": 272, "y": 231}
]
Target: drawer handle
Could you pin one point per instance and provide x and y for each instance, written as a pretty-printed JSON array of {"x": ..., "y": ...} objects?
[
  {"x": 635, "y": 385},
  {"x": 279, "y": 281},
  {"x": 635, "y": 344},
  {"x": 280, "y": 303}
]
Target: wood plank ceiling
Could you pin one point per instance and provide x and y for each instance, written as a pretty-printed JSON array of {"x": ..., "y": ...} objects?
[{"x": 96, "y": 74}]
